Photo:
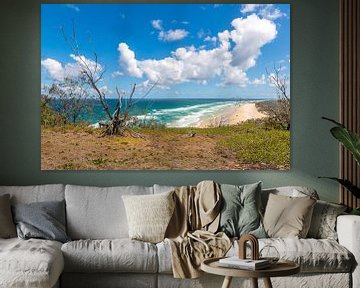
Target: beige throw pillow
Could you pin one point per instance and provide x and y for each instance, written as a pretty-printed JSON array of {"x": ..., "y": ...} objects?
[
  {"x": 288, "y": 217},
  {"x": 149, "y": 215},
  {"x": 7, "y": 226}
]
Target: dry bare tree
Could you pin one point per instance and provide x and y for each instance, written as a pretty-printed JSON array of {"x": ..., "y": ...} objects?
[
  {"x": 279, "y": 112},
  {"x": 120, "y": 120}
]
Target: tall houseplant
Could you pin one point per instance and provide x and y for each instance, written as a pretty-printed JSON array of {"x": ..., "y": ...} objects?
[{"x": 351, "y": 141}]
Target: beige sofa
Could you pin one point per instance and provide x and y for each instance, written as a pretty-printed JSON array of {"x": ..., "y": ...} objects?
[{"x": 101, "y": 255}]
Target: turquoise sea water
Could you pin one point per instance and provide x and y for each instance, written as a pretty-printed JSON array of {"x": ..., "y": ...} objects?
[{"x": 171, "y": 112}]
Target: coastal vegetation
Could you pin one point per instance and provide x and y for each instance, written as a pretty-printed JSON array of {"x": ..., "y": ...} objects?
[{"x": 250, "y": 145}]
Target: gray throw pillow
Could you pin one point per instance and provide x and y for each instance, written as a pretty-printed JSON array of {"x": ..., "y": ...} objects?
[
  {"x": 43, "y": 220},
  {"x": 7, "y": 227},
  {"x": 323, "y": 222},
  {"x": 240, "y": 213}
]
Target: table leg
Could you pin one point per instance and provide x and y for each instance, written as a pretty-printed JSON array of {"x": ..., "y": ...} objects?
[
  {"x": 254, "y": 282},
  {"x": 227, "y": 282},
  {"x": 267, "y": 283}
]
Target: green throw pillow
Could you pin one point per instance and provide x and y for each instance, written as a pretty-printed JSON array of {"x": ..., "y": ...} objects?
[{"x": 240, "y": 213}]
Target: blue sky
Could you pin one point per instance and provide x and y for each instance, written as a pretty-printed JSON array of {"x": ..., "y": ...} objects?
[{"x": 189, "y": 50}]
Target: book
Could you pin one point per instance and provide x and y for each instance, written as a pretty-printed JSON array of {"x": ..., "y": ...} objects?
[{"x": 248, "y": 264}]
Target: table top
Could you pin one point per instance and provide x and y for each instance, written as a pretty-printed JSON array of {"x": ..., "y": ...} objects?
[{"x": 281, "y": 268}]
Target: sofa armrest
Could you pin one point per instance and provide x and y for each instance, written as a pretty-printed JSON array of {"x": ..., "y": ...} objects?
[{"x": 348, "y": 230}]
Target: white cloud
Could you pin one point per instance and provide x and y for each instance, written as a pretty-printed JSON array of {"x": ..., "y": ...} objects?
[
  {"x": 53, "y": 68},
  {"x": 267, "y": 11},
  {"x": 117, "y": 74},
  {"x": 236, "y": 51},
  {"x": 259, "y": 81},
  {"x": 73, "y": 7},
  {"x": 234, "y": 76},
  {"x": 58, "y": 71},
  {"x": 169, "y": 35},
  {"x": 271, "y": 13},
  {"x": 83, "y": 63},
  {"x": 157, "y": 24},
  {"x": 173, "y": 35},
  {"x": 250, "y": 34},
  {"x": 210, "y": 39},
  {"x": 106, "y": 90},
  {"x": 247, "y": 8},
  {"x": 127, "y": 60}
]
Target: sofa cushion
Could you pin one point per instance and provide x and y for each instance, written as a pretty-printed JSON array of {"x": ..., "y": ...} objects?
[
  {"x": 30, "y": 263},
  {"x": 36, "y": 193},
  {"x": 287, "y": 216},
  {"x": 323, "y": 222},
  {"x": 7, "y": 226},
  {"x": 98, "y": 213},
  {"x": 117, "y": 255},
  {"x": 313, "y": 255},
  {"x": 290, "y": 191},
  {"x": 240, "y": 210},
  {"x": 42, "y": 220},
  {"x": 149, "y": 215}
]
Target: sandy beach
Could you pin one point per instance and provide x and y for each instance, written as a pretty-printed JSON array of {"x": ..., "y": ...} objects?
[{"x": 232, "y": 116}]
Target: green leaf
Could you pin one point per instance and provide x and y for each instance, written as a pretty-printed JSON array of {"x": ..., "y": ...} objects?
[
  {"x": 348, "y": 138},
  {"x": 347, "y": 184}
]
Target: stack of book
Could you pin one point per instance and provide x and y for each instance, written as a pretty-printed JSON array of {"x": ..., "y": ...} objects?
[{"x": 248, "y": 264}]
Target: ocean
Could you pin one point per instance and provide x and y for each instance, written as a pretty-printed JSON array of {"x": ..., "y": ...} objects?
[{"x": 170, "y": 112}]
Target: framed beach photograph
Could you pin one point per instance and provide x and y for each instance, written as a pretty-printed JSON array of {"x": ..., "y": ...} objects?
[{"x": 165, "y": 87}]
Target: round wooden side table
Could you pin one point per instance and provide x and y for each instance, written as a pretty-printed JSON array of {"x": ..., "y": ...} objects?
[{"x": 281, "y": 268}]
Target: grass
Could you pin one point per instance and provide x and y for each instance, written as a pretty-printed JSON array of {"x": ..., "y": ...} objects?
[
  {"x": 264, "y": 146},
  {"x": 252, "y": 142},
  {"x": 247, "y": 143},
  {"x": 72, "y": 128}
]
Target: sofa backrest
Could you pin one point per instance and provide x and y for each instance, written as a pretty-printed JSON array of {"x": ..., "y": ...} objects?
[
  {"x": 98, "y": 212},
  {"x": 163, "y": 188},
  {"x": 36, "y": 193}
]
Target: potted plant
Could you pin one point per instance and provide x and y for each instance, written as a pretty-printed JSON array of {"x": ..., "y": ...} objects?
[{"x": 351, "y": 141}]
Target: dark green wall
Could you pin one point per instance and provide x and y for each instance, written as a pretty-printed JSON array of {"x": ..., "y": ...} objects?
[{"x": 314, "y": 93}]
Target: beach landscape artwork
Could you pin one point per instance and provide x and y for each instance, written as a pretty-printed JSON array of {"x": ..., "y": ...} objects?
[{"x": 165, "y": 86}]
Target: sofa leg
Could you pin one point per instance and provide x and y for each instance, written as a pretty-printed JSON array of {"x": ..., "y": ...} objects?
[
  {"x": 254, "y": 282},
  {"x": 227, "y": 282},
  {"x": 267, "y": 283}
]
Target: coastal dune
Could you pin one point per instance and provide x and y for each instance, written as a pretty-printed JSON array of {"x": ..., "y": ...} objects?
[{"x": 232, "y": 115}]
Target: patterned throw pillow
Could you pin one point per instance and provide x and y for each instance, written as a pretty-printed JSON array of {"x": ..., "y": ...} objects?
[
  {"x": 149, "y": 215},
  {"x": 288, "y": 217},
  {"x": 240, "y": 213},
  {"x": 323, "y": 223}
]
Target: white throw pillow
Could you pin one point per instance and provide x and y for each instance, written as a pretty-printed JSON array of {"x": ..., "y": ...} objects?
[{"x": 149, "y": 215}]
